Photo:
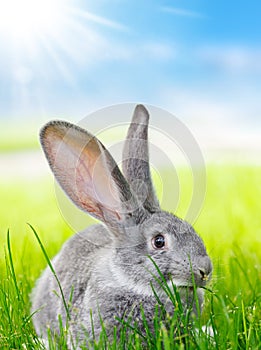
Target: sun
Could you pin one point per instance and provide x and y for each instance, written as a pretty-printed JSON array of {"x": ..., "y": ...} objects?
[
  {"x": 46, "y": 42},
  {"x": 26, "y": 19}
]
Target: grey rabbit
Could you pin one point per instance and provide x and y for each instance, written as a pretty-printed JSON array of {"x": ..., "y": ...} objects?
[{"x": 105, "y": 269}]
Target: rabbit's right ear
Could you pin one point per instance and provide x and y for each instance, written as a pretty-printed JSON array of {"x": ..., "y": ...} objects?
[
  {"x": 135, "y": 162},
  {"x": 87, "y": 173}
]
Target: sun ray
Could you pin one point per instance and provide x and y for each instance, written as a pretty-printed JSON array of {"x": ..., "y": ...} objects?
[
  {"x": 45, "y": 41},
  {"x": 91, "y": 17},
  {"x": 58, "y": 61},
  {"x": 35, "y": 29}
]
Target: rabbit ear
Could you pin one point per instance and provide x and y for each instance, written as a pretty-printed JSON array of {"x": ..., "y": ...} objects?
[
  {"x": 87, "y": 172},
  {"x": 135, "y": 162}
]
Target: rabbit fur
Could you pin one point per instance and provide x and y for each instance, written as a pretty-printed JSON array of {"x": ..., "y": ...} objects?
[{"x": 105, "y": 269}]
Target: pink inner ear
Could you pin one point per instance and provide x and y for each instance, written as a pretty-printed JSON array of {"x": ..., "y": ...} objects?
[
  {"x": 80, "y": 167},
  {"x": 93, "y": 178}
]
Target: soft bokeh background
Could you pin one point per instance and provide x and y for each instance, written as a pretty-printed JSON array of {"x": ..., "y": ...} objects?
[{"x": 200, "y": 60}]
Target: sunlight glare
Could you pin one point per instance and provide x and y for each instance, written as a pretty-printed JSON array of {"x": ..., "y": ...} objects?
[
  {"x": 46, "y": 40},
  {"x": 25, "y": 19}
]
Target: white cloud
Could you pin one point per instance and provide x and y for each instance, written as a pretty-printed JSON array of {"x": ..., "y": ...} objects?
[
  {"x": 214, "y": 111},
  {"x": 232, "y": 58},
  {"x": 141, "y": 52},
  {"x": 159, "y": 51},
  {"x": 182, "y": 12},
  {"x": 219, "y": 127}
]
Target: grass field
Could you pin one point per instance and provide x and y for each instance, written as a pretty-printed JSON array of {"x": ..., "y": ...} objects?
[{"x": 230, "y": 224}]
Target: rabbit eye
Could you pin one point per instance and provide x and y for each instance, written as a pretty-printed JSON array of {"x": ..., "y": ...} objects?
[{"x": 158, "y": 241}]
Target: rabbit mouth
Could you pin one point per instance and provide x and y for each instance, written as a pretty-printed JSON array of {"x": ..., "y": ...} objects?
[{"x": 188, "y": 288}]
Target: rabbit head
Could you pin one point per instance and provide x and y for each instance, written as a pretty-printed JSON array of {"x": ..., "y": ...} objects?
[{"x": 174, "y": 245}]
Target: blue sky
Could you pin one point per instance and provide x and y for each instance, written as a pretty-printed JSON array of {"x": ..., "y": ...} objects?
[{"x": 199, "y": 59}]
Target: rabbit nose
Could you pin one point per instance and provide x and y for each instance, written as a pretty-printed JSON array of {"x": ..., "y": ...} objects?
[
  {"x": 205, "y": 268},
  {"x": 204, "y": 275}
]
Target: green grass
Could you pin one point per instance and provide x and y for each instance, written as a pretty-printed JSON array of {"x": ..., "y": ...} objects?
[
  {"x": 230, "y": 224},
  {"x": 18, "y": 136}
]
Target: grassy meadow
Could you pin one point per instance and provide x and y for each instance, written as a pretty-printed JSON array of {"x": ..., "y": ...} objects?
[{"x": 229, "y": 223}]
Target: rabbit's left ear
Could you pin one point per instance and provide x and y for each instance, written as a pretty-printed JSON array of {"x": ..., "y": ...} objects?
[
  {"x": 88, "y": 174},
  {"x": 135, "y": 163}
]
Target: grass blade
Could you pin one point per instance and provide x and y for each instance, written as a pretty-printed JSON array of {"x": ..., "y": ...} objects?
[{"x": 53, "y": 271}]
